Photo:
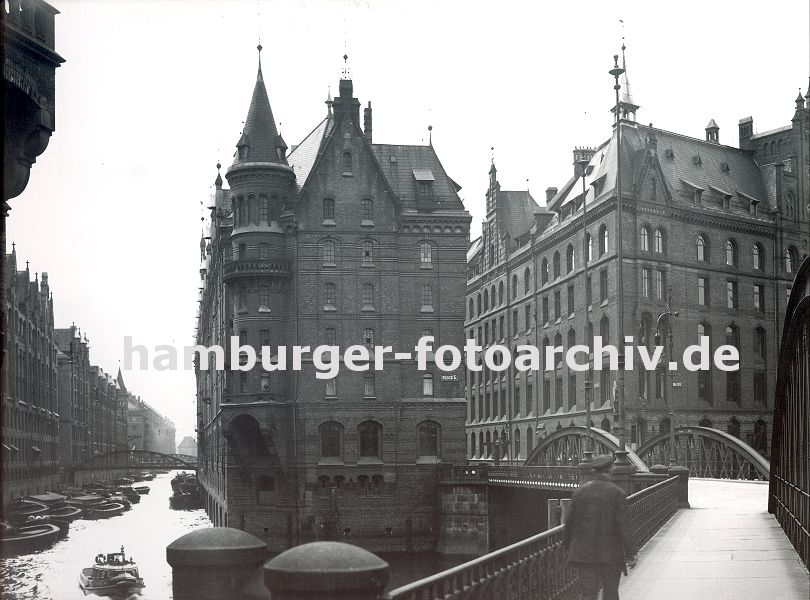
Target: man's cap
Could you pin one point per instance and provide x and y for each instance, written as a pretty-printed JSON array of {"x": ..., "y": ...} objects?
[{"x": 602, "y": 462}]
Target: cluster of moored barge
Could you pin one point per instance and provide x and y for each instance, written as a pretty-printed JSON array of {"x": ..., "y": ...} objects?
[{"x": 35, "y": 522}]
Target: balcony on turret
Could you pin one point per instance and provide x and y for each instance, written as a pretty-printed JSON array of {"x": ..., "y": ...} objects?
[{"x": 254, "y": 266}]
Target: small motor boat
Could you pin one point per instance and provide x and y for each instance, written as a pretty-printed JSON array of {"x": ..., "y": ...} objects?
[
  {"x": 66, "y": 513},
  {"x": 64, "y": 526},
  {"x": 17, "y": 512},
  {"x": 113, "y": 575},
  {"x": 141, "y": 489},
  {"x": 105, "y": 510}
]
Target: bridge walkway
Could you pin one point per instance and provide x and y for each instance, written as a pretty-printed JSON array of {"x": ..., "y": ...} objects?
[{"x": 725, "y": 546}]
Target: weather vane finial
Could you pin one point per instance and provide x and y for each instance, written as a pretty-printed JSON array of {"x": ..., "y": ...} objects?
[{"x": 345, "y": 66}]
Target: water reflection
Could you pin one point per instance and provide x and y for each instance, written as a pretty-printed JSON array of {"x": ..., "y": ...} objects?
[{"x": 145, "y": 531}]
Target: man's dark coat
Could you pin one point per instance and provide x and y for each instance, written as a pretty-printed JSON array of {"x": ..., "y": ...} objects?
[{"x": 597, "y": 528}]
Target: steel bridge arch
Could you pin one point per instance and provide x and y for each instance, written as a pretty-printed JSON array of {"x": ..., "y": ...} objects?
[
  {"x": 133, "y": 459},
  {"x": 564, "y": 447},
  {"x": 709, "y": 453}
]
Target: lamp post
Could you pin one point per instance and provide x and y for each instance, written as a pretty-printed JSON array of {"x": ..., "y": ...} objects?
[
  {"x": 621, "y": 454},
  {"x": 668, "y": 314},
  {"x": 582, "y": 157}
]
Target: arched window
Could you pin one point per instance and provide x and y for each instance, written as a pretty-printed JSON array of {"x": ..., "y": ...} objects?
[
  {"x": 368, "y": 295},
  {"x": 262, "y": 209},
  {"x": 427, "y": 439},
  {"x": 588, "y": 248},
  {"x": 544, "y": 271},
  {"x": 529, "y": 441},
  {"x": 789, "y": 205},
  {"x": 329, "y": 294},
  {"x": 486, "y": 300},
  {"x": 472, "y": 311},
  {"x": 603, "y": 240},
  {"x": 331, "y": 435},
  {"x": 731, "y": 253},
  {"x": 488, "y": 449},
  {"x": 500, "y": 292},
  {"x": 791, "y": 259},
  {"x": 251, "y": 204},
  {"x": 264, "y": 251},
  {"x": 368, "y": 209},
  {"x": 492, "y": 295},
  {"x": 704, "y": 377},
  {"x": 329, "y": 251},
  {"x": 758, "y": 256},
  {"x": 760, "y": 345},
  {"x": 478, "y": 303},
  {"x": 369, "y": 434},
  {"x": 368, "y": 337},
  {"x": 264, "y": 296},
  {"x": 347, "y": 162},
  {"x": 556, "y": 265},
  {"x": 660, "y": 241},
  {"x": 702, "y": 249},
  {"x": 367, "y": 251},
  {"x": 569, "y": 258},
  {"x": 572, "y": 338},
  {"x": 427, "y": 295},
  {"x": 425, "y": 253},
  {"x": 604, "y": 329},
  {"x": 514, "y": 286},
  {"x": 527, "y": 279},
  {"x": 605, "y": 424},
  {"x": 427, "y": 384},
  {"x": 516, "y": 442},
  {"x": 645, "y": 238},
  {"x": 329, "y": 209}
]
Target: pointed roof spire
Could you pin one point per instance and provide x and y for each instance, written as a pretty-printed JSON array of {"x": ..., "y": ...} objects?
[
  {"x": 260, "y": 141},
  {"x": 218, "y": 180},
  {"x": 430, "y": 135},
  {"x": 627, "y": 106},
  {"x": 329, "y": 103}
]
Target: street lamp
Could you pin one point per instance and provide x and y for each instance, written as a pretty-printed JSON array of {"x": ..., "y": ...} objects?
[
  {"x": 621, "y": 455},
  {"x": 582, "y": 157},
  {"x": 669, "y": 395}
]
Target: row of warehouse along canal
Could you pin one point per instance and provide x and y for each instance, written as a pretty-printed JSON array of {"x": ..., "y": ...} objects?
[{"x": 122, "y": 545}]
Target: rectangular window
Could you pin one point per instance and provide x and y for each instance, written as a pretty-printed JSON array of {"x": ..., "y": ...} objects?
[
  {"x": 588, "y": 291},
  {"x": 516, "y": 407},
  {"x": 368, "y": 252},
  {"x": 427, "y": 294},
  {"x": 514, "y": 322},
  {"x": 759, "y": 297},
  {"x": 572, "y": 390},
  {"x": 646, "y": 282},
  {"x": 703, "y": 291},
  {"x": 529, "y": 398},
  {"x": 760, "y": 389},
  {"x": 426, "y": 253},
  {"x": 570, "y": 300},
  {"x": 558, "y": 395},
  {"x": 368, "y": 385},
  {"x": 500, "y": 327},
  {"x": 603, "y": 285},
  {"x": 331, "y": 387},
  {"x": 546, "y": 394},
  {"x": 731, "y": 294},
  {"x": 557, "y": 305},
  {"x": 545, "y": 309},
  {"x": 733, "y": 386},
  {"x": 660, "y": 284},
  {"x": 330, "y": 336},
  {"x": 527, "y": 316}
]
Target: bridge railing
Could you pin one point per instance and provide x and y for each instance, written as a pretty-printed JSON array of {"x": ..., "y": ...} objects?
[
  {"x": 536, "y": 568},
  {"x": 548, "y": 476}
]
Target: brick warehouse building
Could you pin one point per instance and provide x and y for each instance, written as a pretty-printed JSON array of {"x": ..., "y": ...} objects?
[
  {"x": 30, "y": 426},
  {"x": 723, "y": 228},
  {"x": 341, "y": 242}
]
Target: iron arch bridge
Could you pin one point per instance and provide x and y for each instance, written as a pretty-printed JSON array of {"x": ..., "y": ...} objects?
[
  {"x": 137, "y": 459},
  {"x": 564, "y": 447},
  {"x": 709, "y": 453}
]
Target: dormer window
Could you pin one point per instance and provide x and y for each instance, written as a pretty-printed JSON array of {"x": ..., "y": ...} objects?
[{"x": 424, "y": 185}]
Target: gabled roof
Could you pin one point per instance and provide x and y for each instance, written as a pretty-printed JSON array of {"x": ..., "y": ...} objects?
[
  {"x": 302, "y": 159},
  {"x": 515, "y": 212}
]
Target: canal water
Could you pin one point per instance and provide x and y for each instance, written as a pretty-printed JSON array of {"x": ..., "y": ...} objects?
[{"x": 144, "y": 531}]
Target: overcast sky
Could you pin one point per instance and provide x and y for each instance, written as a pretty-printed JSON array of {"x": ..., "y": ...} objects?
[{"x": 153, "y": 93}]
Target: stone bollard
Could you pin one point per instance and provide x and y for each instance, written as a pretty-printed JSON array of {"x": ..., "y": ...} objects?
[
  {"x": 659, "y": 469},
  {"x": 682, "y": 473},
  {"x": 214, "y": 563},
  {"x": 622, "y": 471},
  {"x": 326, "y": 571}
]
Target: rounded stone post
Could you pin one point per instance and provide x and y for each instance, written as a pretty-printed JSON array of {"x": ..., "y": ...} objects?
[
  {"x": 326, "y": 571},
  {"x": 659, "y": 469},
  {"x": 214, "y": 563},
  {"x": 682, "y": 473}
]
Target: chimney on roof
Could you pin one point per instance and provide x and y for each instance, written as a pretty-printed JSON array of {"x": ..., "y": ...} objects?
[
  {"x": 712, "y": 132},
  {"x": 582, "y": 156},
  {"x": 550, "y": 193},
  {"x": 746, "y": 126},
  {"x": 367, "y": 121}
]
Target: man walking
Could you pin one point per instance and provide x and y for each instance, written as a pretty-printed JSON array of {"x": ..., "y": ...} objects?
[{"x": 597, "y": 533}]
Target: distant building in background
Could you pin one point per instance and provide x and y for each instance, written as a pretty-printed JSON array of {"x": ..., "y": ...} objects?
[
  {"x": 187, "y": 446},
  {"x": 30, "y": 424},
  {"x": 342, "y": 242},
  {"x": 147, "y": 429},
  {"x": 723, "y": 228}
]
